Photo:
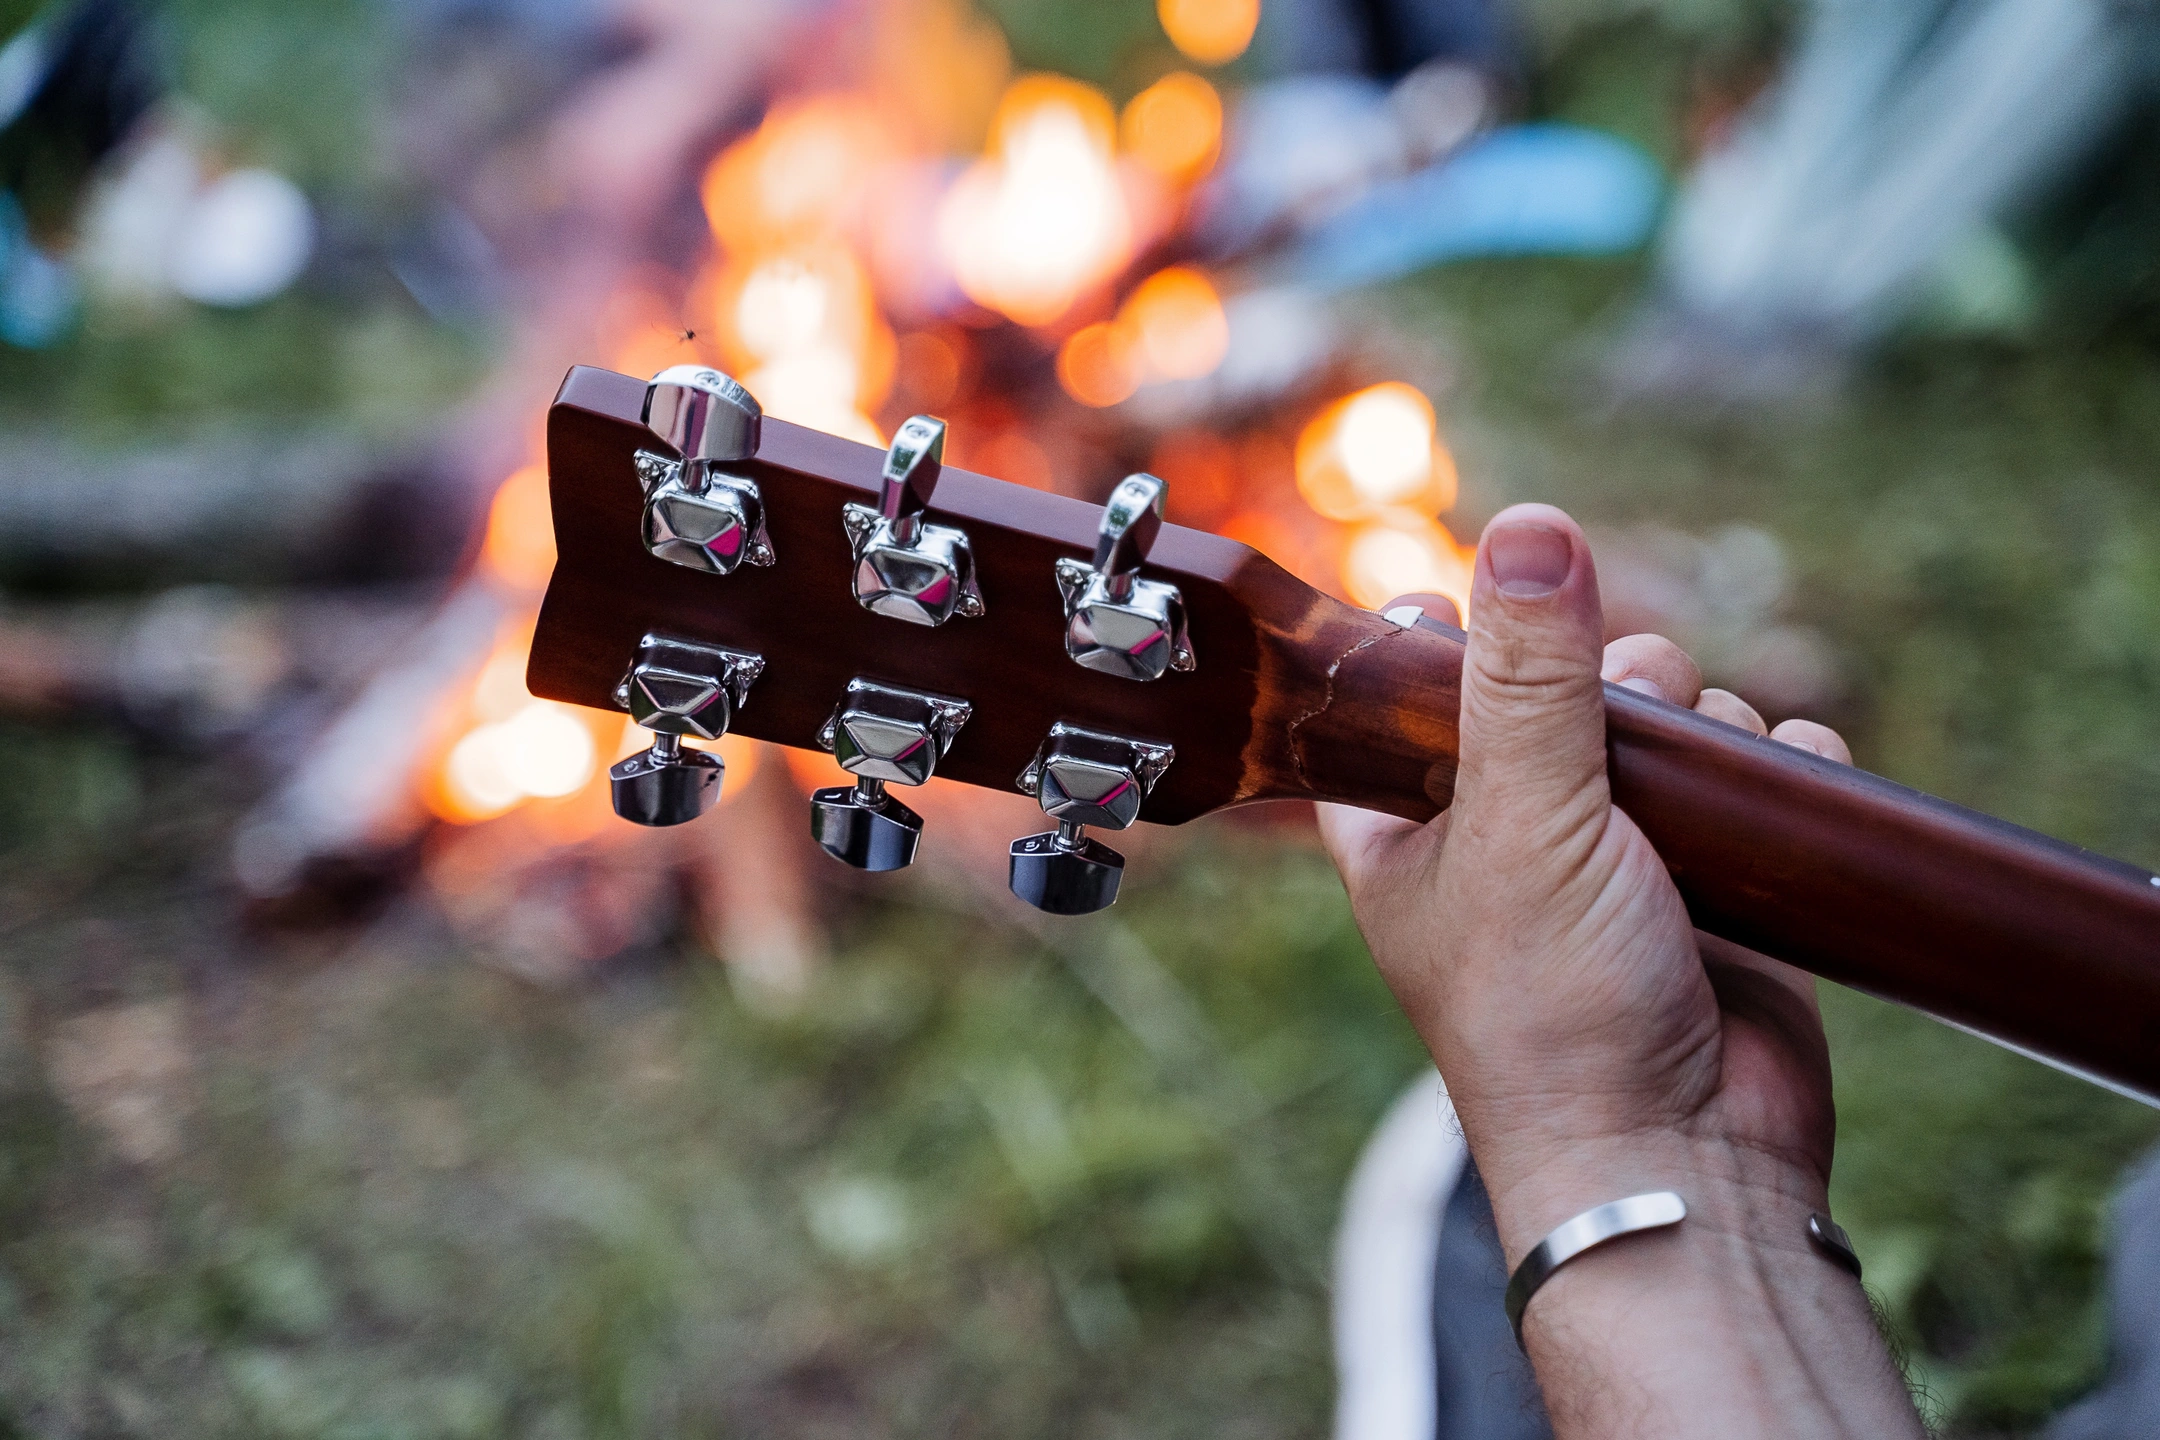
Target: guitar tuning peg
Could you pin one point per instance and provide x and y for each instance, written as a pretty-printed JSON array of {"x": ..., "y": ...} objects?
[
  {"x": 705, "y": 415},
  {"x": 881, "y": 735},
  {"x": 676, "y": 688},
  {"x": 1116, "y": 622},
  {"x": 905, "y": 567},
  {"x": 913, "y": 463},
  {"x": 695, "y": 514},
  {"x": 1081, "y": 778}
]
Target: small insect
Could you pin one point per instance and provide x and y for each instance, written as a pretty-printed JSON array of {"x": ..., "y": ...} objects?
[{"x": 686, "y": 336}]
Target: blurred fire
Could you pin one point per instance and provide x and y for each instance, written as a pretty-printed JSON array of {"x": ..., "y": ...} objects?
[
  {"x": 1174, "y": 127},
  {"x": 1374, "y": 460},
  {"x": 519, "y": 547},
  {"x": 825, "y": 221},
  {"x": 502, "y": 747},
  {"x": 1406, "y": 555},
  {"x": 801, "y": 329},
  {"x": 790, "y": 303},
  {"x": 1171, "y": 327},
  {"x": 1373, "y": 451},
  {"x": 801, "y": 178},
  {"x": 1042, "y": 217},
  {"x": 1210, "y": 32}
]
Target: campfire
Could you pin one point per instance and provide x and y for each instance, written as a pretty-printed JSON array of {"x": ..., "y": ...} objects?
[{"x": 1041, "y": 294}]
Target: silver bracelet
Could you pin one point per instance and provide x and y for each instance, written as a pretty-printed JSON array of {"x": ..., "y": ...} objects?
[
  {"x": 1587, "y": 1231},
  {"x": 1654, "y": 1211}
]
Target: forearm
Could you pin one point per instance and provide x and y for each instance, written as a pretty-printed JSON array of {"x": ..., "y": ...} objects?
[{"x": 1728, "y": 1324}]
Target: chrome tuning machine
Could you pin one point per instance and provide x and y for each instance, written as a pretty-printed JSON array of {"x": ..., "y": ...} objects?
[
  {"x": 1081, "y": 778},
  {"x": 1115, "y": 621},
  {"x": 695, "y": 514},
  {"x": 882, "y": 735},
  {"x": 905, "y": 567},
  {"x": 677, "y": 688}
]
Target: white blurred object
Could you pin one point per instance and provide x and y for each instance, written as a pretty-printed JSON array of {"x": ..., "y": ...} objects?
[
  {"x": 246, "y": 238},
  {"x": 162, "y": 225},
  {"x": 132, "y": 214},
  {"x": 1385, "y": 1250},
  {"x": 1900, "y": 128}
]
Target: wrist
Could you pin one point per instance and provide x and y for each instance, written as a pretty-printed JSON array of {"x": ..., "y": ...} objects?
[
  {"x": 1736, "y": 1189},
  {"x": 1730, "y": 1322}
]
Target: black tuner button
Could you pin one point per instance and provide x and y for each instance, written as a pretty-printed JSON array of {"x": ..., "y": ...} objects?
[{"x": 1064, "y": 872}]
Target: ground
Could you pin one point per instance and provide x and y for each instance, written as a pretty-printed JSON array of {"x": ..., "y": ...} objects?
[{"x": 991, "y": 1178}]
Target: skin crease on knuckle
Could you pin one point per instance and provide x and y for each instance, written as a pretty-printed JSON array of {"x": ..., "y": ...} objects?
[{"x": 1524, "y": 679}]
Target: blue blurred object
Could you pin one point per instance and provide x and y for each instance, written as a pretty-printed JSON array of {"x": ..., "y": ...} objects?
[
  {"x": 38, "y": 294},
  {"x": 1544, "y": 189}
]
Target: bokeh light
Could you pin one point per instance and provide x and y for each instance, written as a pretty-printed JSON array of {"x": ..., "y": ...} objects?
[
  {"x": 1400, "y": 557},
  {"x": 1385, "y": 438},
  {"x": 1042, "y": 217},
  {"x": 801, "y": 328},
  {"x": 1174, "y": 127},
  {"x": 802, "y": 177},
  {"x": 1172, "y": 327},
  {"x": 1375, "y": 450},
  {"x": 1179, "y": 322},
  {"x": 543, "y": 751},
  {"x": 1099, "y": 364},
  {"x": 519, "y": 548},
  {"x": 1209, "y": 32}
]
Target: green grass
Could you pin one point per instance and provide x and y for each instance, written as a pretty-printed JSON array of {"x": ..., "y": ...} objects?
[
  {"x": 980, "y": 1185},
  {"x": 977, "y": 1185}
]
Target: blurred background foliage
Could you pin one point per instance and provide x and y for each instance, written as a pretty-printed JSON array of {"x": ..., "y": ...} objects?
[{"x": 992, "y": 1178}]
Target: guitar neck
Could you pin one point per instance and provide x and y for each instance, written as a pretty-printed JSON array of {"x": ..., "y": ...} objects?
[
  {"x": 2035, "y": 944},
  {"x": 1299, "y": 696}
]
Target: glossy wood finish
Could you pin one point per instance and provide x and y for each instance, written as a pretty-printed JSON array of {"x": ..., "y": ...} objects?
[
  {"x": 802, "y": 617},
  {"x": 2034, "y": 943},
  {"x": 1298, "y": 696}
]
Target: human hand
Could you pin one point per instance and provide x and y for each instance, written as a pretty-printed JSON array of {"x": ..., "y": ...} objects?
[{"x": 1593, "y": 1043}]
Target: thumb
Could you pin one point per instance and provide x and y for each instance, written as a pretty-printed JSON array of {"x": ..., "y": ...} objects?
[{"x": 1533, "y": 708}]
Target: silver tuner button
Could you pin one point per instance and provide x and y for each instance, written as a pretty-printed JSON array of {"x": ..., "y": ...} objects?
[
  {"x": 677, "y": 688},
  {"x": 1081, "y": 778},
  {"x": 905, "y": 567},
  {"x": 696, "y": 514},
  {"x": 881, "y": 735},
  {"x": 1115, "y": 621}
]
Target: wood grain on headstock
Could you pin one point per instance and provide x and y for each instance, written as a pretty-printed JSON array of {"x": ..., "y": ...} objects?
[{"x": 1268, "y": 713}]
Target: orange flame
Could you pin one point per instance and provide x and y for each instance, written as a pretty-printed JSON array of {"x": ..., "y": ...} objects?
[
  {"x": 1174, "y": 127},
  {"x": 801, "y": 329},
  {"x": 1373, "y": 451},
  {"x": 509, "y": 748},
  {"x": 1179, "y": 320},
  {"x": 801, "y": 177},
  {"x": 791, "y": 306},
  {"x": 1209, "y": 32},
  {"x": 1042, "y": 217},
  {"x": 1171, "y": 327},
  {"x": 1403, "y": 556},
  {"x": 519, "y": 548},
  {"x": 1099, "y": 364}
]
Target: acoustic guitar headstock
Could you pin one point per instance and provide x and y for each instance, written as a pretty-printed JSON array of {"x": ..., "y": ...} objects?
[{"x": 719, "y": 571}]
